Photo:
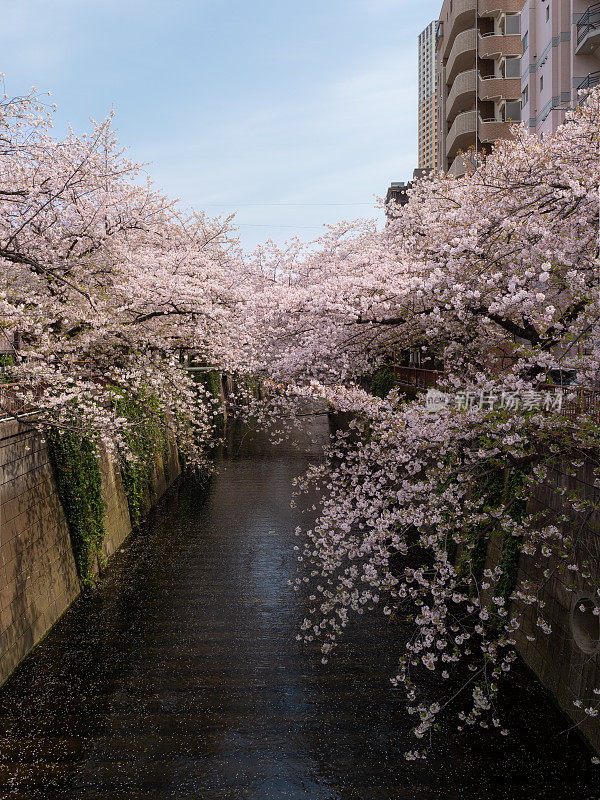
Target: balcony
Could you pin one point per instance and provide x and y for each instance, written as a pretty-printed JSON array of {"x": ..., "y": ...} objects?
[
  {"x": 461, "y": 135},
  {"x": 588, "y": 30},
  {"x": 489, "y": 130},
  {"x": 459, "y": 167},
  {"x": 462, "y": 95},
  {"x": 462, "y": 18},
  {"x": 494, "y": 8},
  {"x": 494, "y": 45},
  {"x": 499, "y": 88},
  {"x": 591, "y": 80},
  {"x": 462, "y": 54}
]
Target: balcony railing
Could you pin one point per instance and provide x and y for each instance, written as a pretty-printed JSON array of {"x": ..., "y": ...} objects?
[
  {"x": 461, "y": 133},
  {"x": 462, "y": 94},
  {"x": 497, "y": 7},
  {"x": 577, "y": 400},
  {"x": 418, "y": 377},
  {"x": 493, "y": 45},
  {"x": 591, "y": 80},
  {"x": 12, "y": 401},
  {"x": 460, "y": 166},
  {"x": 589, "y": 21},
  {"x": 493, "y": 87},
  {"x": 462, "y": 54}
]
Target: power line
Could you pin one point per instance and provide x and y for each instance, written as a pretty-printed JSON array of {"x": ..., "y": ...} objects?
[
  {"x": 220, "y": 205},
  {"x": 266, "y": 225}
]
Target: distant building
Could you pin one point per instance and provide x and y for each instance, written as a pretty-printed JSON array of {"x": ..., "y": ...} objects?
[
  {"x": 478, "y": 76},
  {"x": 398, "y": 191},
  {"x": 561, "y": 54},
  {"x": 427, "y": 120}
]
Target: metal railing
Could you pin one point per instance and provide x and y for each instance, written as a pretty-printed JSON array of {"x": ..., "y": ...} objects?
[
  {"x": 418, "y": 377},
  {"x": 12, "y": 401},
  {"x": 577, "y": 400},
  {"x": 591, "y": 80},
  {"x": 589, "y": 21},
  {"x": 13, "y": 394},
  {"x": 586, "y": 400}
]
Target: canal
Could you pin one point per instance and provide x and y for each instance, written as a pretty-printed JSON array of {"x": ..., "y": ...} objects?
[{"x": 180, "y": 677}]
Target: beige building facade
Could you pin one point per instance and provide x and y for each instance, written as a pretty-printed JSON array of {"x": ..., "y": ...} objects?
[
  {"x": 427, "y": 115},
  {"x": 503, "y": 61},
  {"x": 478, "y": 45}
]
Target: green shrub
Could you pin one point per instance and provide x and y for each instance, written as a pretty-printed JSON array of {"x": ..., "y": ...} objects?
[{"x": 382, "y": 381}]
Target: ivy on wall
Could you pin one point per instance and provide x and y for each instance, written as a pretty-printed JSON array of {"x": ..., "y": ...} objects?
[
  {"x": 146, "y": 437},
  {"x": 76, "y": 465},
  {"x": 211, "y": 381},
  {"x": 515, "y": 488},
  {"x": 490, "y": 491},
  {"x": 503, "y": 486},
  {"x": 253, "y": 386},
  {"x": 76, "y": 468}
]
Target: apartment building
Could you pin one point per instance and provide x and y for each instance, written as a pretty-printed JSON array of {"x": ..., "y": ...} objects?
[
  {"x": 561, "y": 55},
  {"x": 427, "y": 116},
  {"x": 478, "y": 64}
]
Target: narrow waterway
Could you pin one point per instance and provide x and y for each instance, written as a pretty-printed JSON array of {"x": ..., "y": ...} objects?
[{"x": 181, "y": 677}]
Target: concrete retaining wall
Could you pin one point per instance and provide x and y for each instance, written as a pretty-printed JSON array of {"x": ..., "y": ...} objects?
[
  {"x": 560, "y": 663},
  {"x": 38, "y": 578}
]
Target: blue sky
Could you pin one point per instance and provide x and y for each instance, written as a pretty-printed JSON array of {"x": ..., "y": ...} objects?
[{"x": 294, "y": 114}]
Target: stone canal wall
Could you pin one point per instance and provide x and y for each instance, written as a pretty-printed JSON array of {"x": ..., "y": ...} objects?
[
  {"x": 567, "y": 662},
  {"x": 38, "y": 577}
]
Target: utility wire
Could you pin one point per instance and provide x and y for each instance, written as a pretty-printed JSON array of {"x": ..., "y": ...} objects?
[
  {"x": 266, "y": 225},
  {"x": 220, "y": 205}
]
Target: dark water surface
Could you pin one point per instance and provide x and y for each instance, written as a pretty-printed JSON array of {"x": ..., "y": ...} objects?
[{"x": 181, "y": 677}]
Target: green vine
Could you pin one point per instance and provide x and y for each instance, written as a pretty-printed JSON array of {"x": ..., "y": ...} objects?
[
  {"x": 213, "y": 383},
  {"x": 473, "y": 554},
  {"x": 496, "y": 490},
  {"x": 253, "y": 386},
  {"x": 211, "y": 380},
  {"x": 146, "y": 437},
  {"x": 76, "y": 467},
  {"x": 511, "y": 545}
]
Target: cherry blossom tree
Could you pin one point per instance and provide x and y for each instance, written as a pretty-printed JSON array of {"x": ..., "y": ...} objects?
[
  {"x": 497, "y": 273},
  {"x": 105, "y": 281}
]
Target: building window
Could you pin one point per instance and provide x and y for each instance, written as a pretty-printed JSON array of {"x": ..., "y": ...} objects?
[
  {"x": 525, "y": 96},
  {"x": 525, "y": 42},
  {"x": 512, "y": 111},
  {"x": 547, "y": 12},
  {"x": 450, "y": 6},
  {"x": 512, "y": 68},
  {"x": 541, "y": 83},
  {"x": 513, "y": 24}
]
